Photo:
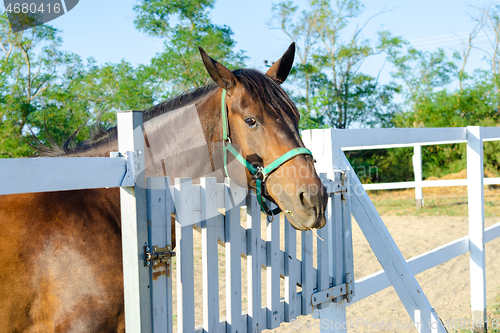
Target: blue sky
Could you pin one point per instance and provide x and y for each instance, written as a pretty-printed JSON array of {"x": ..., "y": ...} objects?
[{"x": 105, "y": 29}]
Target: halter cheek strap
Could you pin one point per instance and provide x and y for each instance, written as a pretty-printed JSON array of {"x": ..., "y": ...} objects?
[{"x": 259, "y": 173}]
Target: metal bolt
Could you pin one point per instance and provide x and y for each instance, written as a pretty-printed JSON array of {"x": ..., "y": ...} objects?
[
  {"x": 148, "y": 263},
  {"x": 147, "y": 248},
  {"x": 159, "y": 199},
  {"x": 315, "y": 299},
  {"x": 340, "y": 289},
  {"x": 327, "y": 295},
  {"x": 168, "y": 261}
]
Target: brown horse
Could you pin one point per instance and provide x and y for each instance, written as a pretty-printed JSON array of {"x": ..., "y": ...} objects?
[{"x": 60, "y": 252}]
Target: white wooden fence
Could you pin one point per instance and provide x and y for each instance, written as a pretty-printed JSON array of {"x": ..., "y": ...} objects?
[
  {"x": 326, "y": 147},
  {"x": 352, "y": 140},
  {"x": 325, "y": 289}
]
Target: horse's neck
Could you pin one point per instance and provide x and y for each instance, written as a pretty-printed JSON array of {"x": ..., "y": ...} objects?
[{"x": 180, "y": 143}]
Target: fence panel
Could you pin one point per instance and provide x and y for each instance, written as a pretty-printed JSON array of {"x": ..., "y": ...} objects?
[{"x": 184, "y": 245}]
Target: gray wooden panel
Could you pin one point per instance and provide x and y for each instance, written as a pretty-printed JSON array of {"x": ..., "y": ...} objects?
[
  {"x": 272, "y": 272},
  {"x": 233, "y": 258},
  {"x": 134, "y": 229},
  {"x": 291, "y": 273},
  {"x": 210, "y": 261},
  {"x": 184, "y": 246},
  {"x": 30, "y": 175},
  {"x": 157, "y": 218},
  {"x": 307, "y": 271},
  {"x": 254, "y": 260}
]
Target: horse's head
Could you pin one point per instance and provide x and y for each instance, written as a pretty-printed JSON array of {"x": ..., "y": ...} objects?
[{"x": 263, "y": 122}]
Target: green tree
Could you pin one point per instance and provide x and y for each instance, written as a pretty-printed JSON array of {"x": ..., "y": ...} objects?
[
  {"x": 184, "y": 25},
  {"x": 55, "y": 95},
  {"x": 333, "y": 91},
  {"x": 29, "y": 63}
]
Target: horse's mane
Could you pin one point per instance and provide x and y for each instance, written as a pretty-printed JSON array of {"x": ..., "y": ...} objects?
[{"x": 261, "y": 88}]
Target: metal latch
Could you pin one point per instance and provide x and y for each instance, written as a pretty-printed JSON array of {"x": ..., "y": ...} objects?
[
  {"x": 158, "y": 255},
  {"x": 329, "y": 294},
  {"x": 344, "y": 290}
]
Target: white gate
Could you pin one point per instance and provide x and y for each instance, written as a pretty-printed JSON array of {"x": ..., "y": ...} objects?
[{"x": 199, "y": 205}]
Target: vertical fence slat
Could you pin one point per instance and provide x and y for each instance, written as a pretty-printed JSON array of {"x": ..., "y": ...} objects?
[
  {"x": 292, "y": 305},
  {"x": 475, "y": 188},
  {"x": 307, "y": 271},
  {"x": 272, "y": 273},
  {"x": 417, "y": 171},
  {"x": 253, "y": 264},
  {"x": 159, "y": 231},
  {"x": 337, "y": 239},
  {"x": 323, "y": 256},
  {"x": 233, "y": 258},
  {"x": 210, "y": 263},
  {"x": 347, "y": 232},
  {"x": 184, "y": 241}
]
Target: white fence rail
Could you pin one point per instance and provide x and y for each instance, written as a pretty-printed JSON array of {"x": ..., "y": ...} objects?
[{"x": 364, "y": 139}]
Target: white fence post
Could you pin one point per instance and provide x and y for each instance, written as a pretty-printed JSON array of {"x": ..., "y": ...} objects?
[
  {"x": 417, "y": 171},
  {"x": 326, "y": 149},
  {"x": 475, "y": 188},
  {"x": 134, "y": 227}
]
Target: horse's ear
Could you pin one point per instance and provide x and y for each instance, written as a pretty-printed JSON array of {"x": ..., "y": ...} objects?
[
  {"x": 220, "y": 74},
  {"x": 280, "y": 69}
]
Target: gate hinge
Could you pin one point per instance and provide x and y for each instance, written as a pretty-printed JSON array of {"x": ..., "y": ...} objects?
[
  {"x": 158, "y": 255},
  {"x": 349, "y": 287}
]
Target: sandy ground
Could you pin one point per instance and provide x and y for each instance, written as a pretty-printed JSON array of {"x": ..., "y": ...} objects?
[{"x": 446, "y": 286}]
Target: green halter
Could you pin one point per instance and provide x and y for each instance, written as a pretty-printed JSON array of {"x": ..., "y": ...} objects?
[{"x": 260, "y": 173}]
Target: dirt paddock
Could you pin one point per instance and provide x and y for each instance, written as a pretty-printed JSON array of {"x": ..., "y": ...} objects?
[{"x": 446, "y": 286}]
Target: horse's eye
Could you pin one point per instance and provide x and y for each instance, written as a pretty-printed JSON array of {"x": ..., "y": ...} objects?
[{"x": 250, "y": 122}]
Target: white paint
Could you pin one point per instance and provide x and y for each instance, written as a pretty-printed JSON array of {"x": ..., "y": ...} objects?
[
  {"x": 160, "y": 235},
  {"x": 475, "y": 187},
  {"x": 417, "y": 172},
  {"x": 28, "y": 175},
  {"x": 254, "y": 260},
  {"x": 233, "y": 259},
  {"x": 184, "y": 255},
  {"x": 134, "y": 229}
]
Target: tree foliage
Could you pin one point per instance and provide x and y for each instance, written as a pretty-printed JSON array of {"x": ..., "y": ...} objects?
[
  {"x": 50, "y": 93},
  {"x": 333, "y": 92},
  {"x": 184, "y": 25}
]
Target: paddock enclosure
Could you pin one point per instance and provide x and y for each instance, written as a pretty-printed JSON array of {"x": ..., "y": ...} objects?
[{"x": 304, "y": 273}]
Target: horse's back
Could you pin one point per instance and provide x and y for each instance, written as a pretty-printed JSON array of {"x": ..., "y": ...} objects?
[{"x": 60, "y": 262}]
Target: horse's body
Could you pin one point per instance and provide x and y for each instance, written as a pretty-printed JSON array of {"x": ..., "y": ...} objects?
[{"x": 60, "y": 252}]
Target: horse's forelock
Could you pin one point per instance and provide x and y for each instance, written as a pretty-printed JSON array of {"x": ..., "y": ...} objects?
[{"x": 268, "y": 93}]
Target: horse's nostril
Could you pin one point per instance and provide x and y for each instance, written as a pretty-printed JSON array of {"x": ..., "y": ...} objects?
[
  {"x": 301, "y": 197},
  {"x": 305, "y": 199}
]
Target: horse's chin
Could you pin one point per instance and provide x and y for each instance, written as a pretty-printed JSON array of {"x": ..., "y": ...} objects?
[{"x": 304, "y": 223}]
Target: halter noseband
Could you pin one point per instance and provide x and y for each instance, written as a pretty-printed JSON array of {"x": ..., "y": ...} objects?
[{"x": 259, "y": 173}]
